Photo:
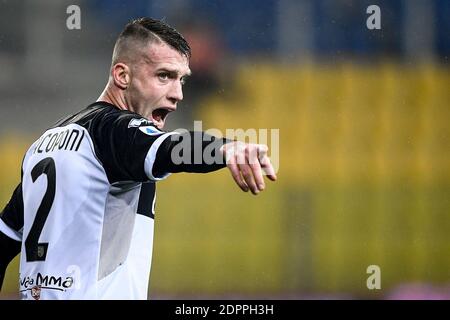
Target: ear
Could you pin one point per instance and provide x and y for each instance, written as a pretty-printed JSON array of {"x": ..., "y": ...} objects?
[{"x": 121, "y": 75}]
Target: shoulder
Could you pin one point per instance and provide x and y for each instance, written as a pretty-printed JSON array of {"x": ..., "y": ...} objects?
[{"x": 102, "y": 114}]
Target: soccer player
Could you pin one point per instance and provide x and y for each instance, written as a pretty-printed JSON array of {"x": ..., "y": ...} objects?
[{"x": 82, "y": 215}]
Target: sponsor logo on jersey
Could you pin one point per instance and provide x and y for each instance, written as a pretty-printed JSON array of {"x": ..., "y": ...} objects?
[
  {"x": 150, "y": 130},
  {"x": 134, "y": 123},
  {"x": 35, "y": 284}
]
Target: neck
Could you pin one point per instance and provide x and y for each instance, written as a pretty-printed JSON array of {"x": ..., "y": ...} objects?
[{"x": 111, "y": 95}]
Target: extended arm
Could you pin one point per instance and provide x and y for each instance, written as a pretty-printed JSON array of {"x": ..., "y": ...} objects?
[
  {"x": 200, "y": 152},
  {"x": 132, "y": 148}
]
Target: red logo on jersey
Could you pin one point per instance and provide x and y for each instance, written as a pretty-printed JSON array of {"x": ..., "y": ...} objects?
[{"x": 36, "y": 292}]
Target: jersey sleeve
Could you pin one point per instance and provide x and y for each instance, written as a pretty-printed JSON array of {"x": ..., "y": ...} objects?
[
  {"x": 121, "y": 142},
  {"x": 132, "y": 148},
  {"x": 11, "y": 223},
  {"x": 11, "y": 218}
]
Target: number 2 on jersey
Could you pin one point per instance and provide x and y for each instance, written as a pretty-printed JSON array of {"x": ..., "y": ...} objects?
[{"x": 38, "y": 251}]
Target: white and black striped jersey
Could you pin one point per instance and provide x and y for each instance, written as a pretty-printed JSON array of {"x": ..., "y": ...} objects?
[{"x": 83, "y": 215}]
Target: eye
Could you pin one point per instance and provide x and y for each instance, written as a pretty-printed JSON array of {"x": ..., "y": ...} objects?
[
  {"x": 164, "y": 76},
  {"x": 183, "y": 81}
]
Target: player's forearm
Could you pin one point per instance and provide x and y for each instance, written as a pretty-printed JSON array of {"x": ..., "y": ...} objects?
[
  {"x": 9, "y": 248},
  {"x": 190, "y": 152}
]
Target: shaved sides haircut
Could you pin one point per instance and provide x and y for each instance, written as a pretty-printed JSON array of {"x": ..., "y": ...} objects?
[{"x": 143, "y": 31}]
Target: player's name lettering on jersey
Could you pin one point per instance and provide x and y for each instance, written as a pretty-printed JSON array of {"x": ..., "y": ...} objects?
[{"x": 69, "y": 139}]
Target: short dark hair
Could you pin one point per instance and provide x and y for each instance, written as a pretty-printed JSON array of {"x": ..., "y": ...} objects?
[{"x": 152, "y": 30}]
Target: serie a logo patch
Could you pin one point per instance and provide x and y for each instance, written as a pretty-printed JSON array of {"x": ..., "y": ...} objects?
[{"x": 150, "y": 130}]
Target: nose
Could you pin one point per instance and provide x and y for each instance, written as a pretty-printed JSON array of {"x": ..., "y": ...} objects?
[{"x": 175, "y": 93}]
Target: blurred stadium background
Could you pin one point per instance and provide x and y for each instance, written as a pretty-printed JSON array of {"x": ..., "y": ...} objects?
[{"x": 363, "y": 115}]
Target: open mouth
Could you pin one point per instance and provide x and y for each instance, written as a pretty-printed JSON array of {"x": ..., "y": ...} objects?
[{"x": 159, "y": 116}]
